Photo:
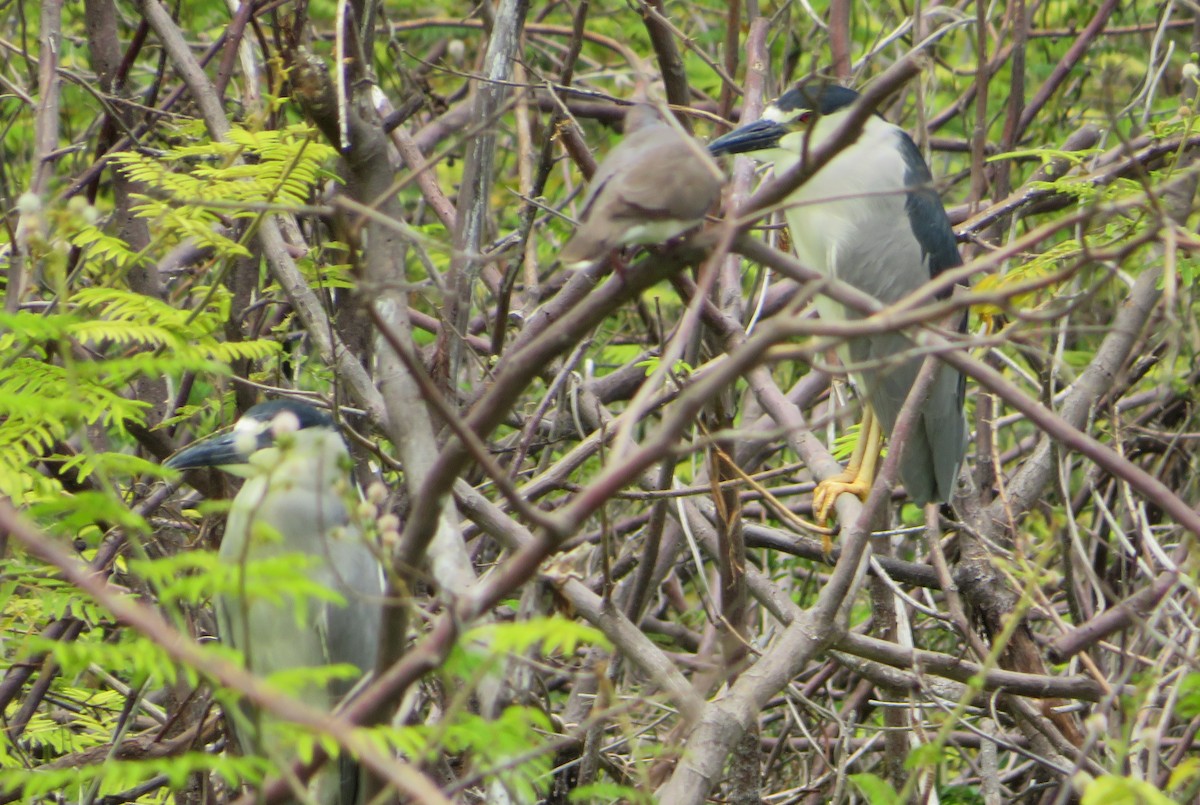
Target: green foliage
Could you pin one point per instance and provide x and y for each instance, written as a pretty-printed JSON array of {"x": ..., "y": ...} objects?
[
  {"x": 845, "y": 442},
  {"x": 545, "y": 634},
  {"x": 83, "y": 513},
  {"x": 71, "y": 397},
  {"x": 1113, "y": 790},
  {"x": 198, "y": 576},
  {"x": 328, "y": 269},
  {"x": 960, "y": 795},
  {"x": 1189, "y": 696},
  {"x": 486, "y": 644},
  {"x": 1049, "y": 156},
  {"x": 681, "y": 367},
  {"x": 518, "y": 732},
  {"x": 91, "y": 349},
  {"x": 609, "y": 792},
  {"x": 297, "y": 682},
  {"x": 120, "y": 775},
  {"x": 140, "y": 659},
  {"x": 250, "y": 168},
  {"x": 875, "y": 789},
  {"x": 1184, "y": 776},
  {"x": 46, "y": 394},
  {"x": 924, "y": 756},
  {"x": 22, "y": 611}
]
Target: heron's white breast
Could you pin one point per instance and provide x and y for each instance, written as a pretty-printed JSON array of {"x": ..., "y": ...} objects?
[{"x": 849, "y": 220}]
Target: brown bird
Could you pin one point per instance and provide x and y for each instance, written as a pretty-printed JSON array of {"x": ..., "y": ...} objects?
[{"x": 655, "y": 184}]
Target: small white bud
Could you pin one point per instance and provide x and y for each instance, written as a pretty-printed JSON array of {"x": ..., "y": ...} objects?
[
  {"x": 29, "y": 203},
  {"x": 368, "y": 510},
  {"x": 390, "y": 540},
  {"x": 284, "y": 422},
  {"x": 245, "y": 441},
  {"x": 377, "y": 493}
]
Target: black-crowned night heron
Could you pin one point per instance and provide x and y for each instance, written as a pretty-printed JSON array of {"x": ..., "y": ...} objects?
[
  {"x": 871, "y": 218},
  {"x": 655, "y": 184},
  {"x": 298, "y": 500}
]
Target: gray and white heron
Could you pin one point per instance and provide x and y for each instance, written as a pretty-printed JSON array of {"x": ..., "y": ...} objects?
[
  {"x": 298, "y": 499},
  {"x": 872, "y": 218}
]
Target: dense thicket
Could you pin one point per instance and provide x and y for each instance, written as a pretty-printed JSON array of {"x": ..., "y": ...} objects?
[{"x": 604, "y": 585}]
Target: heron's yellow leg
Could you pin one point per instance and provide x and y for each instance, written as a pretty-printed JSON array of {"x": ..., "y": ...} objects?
[{"x": 859, "y": 473}]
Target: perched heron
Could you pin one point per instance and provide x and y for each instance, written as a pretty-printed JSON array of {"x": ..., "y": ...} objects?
[
  {"x": 655, "y": 184},
  {"x": 298, "y": 500},
  {"x": 871, "y": 218}
]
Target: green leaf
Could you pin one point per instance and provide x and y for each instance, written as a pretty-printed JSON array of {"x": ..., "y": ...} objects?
[
  {"x": 608, "y": 792},
  {"x": 923, "y": 756},
  {"x": 1113, "y": 790},
  {"x": 875, "y": 789},
  {"x": 1184, "y": 774},
  {"x": 1189, "y": 696}
]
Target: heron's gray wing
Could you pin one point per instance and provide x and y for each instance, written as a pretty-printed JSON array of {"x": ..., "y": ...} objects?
[
  {"x": 354, "y": 627},
  {"x": 933, "y": 451},
  {"x": 926, "y": 214}
]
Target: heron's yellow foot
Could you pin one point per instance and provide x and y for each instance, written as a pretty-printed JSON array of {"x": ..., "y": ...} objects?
[
  {"x": 827, "y": 492},
  {"x": 859, "y": 474}
]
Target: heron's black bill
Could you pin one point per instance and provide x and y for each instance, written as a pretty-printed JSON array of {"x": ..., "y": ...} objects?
[
  {"x": 254, "y": 431},
  {"x": 217, "y": 451},
  {"x": 757, "y": 136}
]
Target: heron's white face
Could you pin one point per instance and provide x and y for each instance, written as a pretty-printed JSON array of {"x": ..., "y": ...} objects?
[
  {"x": 791, "y": 118},
  {"x": 782, "y": 136},
  {"x": 245, "y": 434},
  {"x": 805, "y": 133},
  {"x": 248, "y": 431},
  {"x": 284, "y": 422}
]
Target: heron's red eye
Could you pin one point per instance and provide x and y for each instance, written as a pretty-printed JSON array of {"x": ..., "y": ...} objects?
[{"x": 804, "y": 117}]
